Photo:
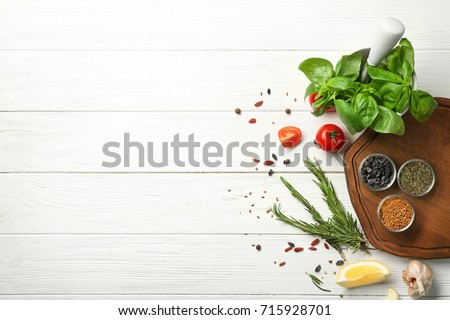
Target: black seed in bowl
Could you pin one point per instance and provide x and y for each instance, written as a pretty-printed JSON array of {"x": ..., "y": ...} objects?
[{"x": 377, "y": 172}]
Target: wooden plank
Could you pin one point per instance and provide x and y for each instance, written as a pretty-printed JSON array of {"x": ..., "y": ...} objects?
[
  {"x": 178, "y": 264},
  {"x": 202, "y": 24},
  {"x": 173, "y": 80},
  {"x": 144, "y": 203},
  {"x": 73, "y": 142}
]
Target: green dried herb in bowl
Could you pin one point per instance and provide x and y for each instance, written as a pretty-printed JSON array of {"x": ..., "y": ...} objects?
[{"x": 416, "y": 177}]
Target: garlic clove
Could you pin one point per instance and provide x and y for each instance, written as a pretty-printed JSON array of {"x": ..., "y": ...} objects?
[{"x": 391, "y": 294}]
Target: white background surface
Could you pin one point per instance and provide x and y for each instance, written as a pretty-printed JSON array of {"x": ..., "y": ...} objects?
[{"x": 76, "y": 74}]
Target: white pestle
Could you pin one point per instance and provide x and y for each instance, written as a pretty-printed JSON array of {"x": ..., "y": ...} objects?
[{"x": 389, "y": 32}]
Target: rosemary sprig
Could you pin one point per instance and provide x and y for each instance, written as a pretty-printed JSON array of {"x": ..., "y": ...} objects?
[
  {"x": 340, "y": 228},
  {"x": 317, "y": 282}
]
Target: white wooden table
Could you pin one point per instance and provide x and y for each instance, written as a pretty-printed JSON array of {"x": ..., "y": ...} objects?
[{"x": 76, "y": 74}]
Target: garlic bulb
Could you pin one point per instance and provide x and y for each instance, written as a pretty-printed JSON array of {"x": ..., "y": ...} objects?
[{"x": 418, "y": 276}]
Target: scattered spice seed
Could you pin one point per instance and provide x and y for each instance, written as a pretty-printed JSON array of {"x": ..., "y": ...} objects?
[
  {"x": 315, "y": 242},
  {"x": 262, "y": 197},
  {"x": 259, "y": 104},
  {"x": 249, "y": 210},
  {"x": 256, "y": 160},
  {"x": 330, "y": 261},
  {"x": 291, "y": 244},
  {"x": 288, "y": 249},
  {"x": 287, "y": 93},
  {"x": 261, "y": 93},
  {"x": 341, "y": 296},
  {"x": 237, "y": 111},
  {"x": 271, "y": 172},
  {"x": 273, "y": 122},
  {"x": 258, "y": 247},
  {"x": 274, "y": 156},
  {"x": 312, "y": 248},
  {"x": 245, "y": 196},
  {"x": 253, "y": 245},
  {"x": 286, "y": 162},
  {"x": 269, "y": 91},
  {"x": 256, "y": 169},
  {"x": 318, "y": 268},
  {"x": 298, "y": 249},
  {"x": 253, "y": 205},
  {"x": 339, "y": 262},
  {"x": 229, "y": 190},
  {"x": 295, "y": 99},
  {"x": 282, "y": 264},
  {"x": 334, "y": 272},
  {"x": 325, "y": 273},
  {"x": 252, "y": 120},
  {"x": 326, "y": 245},
  {"x": 268, "y": 162},
  {"x": 277, "y": 199},
  {"x": 258, "y": 217},
  {"x": 265, "y": 191},
  {"x": 288, "y": 111},
  {"x": 268, "y": 210},
  {"x": 250, "y": 193}
]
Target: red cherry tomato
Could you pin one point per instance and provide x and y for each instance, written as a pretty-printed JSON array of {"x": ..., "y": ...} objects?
[
  {"x": 330, "y": 137},
  {"x": 290, "y": 136},
  {"x": 312, "y": 99}
]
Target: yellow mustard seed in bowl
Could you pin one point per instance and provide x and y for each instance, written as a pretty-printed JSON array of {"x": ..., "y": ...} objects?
[{"x": 395, "y": 213}]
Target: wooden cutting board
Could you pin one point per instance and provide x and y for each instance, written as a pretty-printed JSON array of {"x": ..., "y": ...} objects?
[{"x": 429, "y": 236}]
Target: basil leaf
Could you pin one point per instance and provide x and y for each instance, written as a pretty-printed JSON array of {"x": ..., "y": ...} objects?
[
  {"x": 312, "y": 87},
  {"x": 387, "y": 121},
  {"x": 376, "y": 85},
  {"x": 390, "y": 94},
  {"x": 383, "y": 75},
  {"x": 407, "y": 71},
  {"x": 341, "y": 83},
  {"x": 349, "y": 66},
  {"x": 348, "y": 116},
  {"x": 408, "y": 51},
  {"x": 320, "y": 105},
  {"x": 317, "y": 70},
  {"x": 394, "y": 59},
  {"x": 402, "y": 103},
  {"x": 422, "y": 105},
  {"x": 405, "y": 43},
  {"x": 319, "y": 111},
  {"x": 371, "y": 89},
  {"x": 366, "y": 108}
]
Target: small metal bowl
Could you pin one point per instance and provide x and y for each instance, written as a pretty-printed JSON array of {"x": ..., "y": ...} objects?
[
  {"x": 393, "y": 174},
  {"x": 432, "y": 181},
  {"x": 401, "y": 197}
]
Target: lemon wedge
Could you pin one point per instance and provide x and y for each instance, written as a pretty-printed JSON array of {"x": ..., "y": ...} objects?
[
  {"x": 362, "y": 273},
  {"x": 391, "y": 294}
]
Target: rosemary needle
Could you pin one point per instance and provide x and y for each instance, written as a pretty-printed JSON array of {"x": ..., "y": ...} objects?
[
  {"x": 317, "y": 282},
  {"x": 341, "y": 228}
]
